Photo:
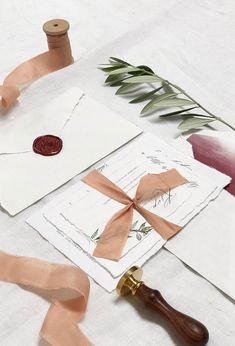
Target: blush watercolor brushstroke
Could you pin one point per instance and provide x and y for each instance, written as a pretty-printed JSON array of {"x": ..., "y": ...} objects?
[{"x": 217, "y": 153}]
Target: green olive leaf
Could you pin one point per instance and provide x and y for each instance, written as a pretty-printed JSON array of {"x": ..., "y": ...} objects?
[
  {"x": 142, "y": 79},
  {"x": 176, "y": 102},
  {"x": 117, "y": 60},
  {"x": 176, "y": 112},
  {"x": 114, "y": 78},
  {"x": 194, "y": 123},
  {"x": 126, "y": 88},
  {"x": 124, "y": 70},
  {"x": 111, "y": 68},
  {"x": 146, "y": 68},
  {"x": 156, "y": 99},
  {"x": 145, "y": 96},
  {"x": 147, "y": 229},
  {"x": 118, "y": 82},
  {"x": 169, "y": 102}
]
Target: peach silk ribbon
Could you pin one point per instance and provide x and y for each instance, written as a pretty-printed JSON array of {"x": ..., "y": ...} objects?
[
  {"x": 60, "y": 324},
  {"x": 115, "y": 234},
  {"x": 58, "y": 56}
]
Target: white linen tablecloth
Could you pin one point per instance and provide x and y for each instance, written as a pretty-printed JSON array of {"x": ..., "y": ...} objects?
[{"x": 188, "y": 42}]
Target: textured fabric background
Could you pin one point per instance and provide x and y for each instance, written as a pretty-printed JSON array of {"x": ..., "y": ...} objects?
[{"x": 189, "y": 42}]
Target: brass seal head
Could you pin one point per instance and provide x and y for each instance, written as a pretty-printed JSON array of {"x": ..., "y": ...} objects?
[{"x": 130, "y": 281}]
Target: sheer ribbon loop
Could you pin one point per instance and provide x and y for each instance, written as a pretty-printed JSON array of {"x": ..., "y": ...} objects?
[
  {"x": 57, "y": 57},
  {"x": 60, "y": 324}
]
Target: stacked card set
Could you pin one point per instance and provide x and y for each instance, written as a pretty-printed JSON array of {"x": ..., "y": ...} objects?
[{"x": 74, "y": 221}]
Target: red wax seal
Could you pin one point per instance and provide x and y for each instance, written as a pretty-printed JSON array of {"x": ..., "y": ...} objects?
[{"x": 47, "y": 145}]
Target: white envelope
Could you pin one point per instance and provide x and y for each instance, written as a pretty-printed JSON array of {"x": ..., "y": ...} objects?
[{"x": 89, "y": 132}]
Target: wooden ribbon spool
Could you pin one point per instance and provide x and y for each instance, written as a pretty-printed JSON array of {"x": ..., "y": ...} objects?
[{"x": 56, "y": 31}]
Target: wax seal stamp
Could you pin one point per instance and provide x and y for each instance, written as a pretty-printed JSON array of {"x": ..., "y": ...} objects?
[
  {"x": 47, "y": 145},
  {"x": 193, "y": 332}
]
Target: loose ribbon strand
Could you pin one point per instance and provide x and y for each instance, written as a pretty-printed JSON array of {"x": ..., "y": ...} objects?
[
  {"x": 57, "y": 57},
  {"x": 60, "y": 324}
]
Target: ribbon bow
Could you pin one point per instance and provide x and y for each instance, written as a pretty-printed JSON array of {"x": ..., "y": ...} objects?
[{"x": 115, "y": 234}]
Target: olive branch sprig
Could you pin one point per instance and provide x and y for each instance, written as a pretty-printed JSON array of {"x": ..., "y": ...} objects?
[
  {"x": 165, "y": 94},
  {"x": 140, "y": 231}
]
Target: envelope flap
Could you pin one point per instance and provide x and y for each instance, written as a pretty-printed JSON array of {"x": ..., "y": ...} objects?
[{"x": 19, "y": 135}]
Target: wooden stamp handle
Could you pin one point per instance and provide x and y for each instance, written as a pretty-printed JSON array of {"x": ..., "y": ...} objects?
[{"x": 192, "y": 331}]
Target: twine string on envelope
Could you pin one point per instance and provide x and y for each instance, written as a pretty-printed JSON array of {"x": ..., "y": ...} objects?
[
  {"x": 57, "y": 57},
  {"x": 60, "y": 324},
  {"x": 115, "y": 234}
]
